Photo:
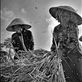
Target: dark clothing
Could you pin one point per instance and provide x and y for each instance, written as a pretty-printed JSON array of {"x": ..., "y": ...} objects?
[
  {"x": 65, "y": 36},
  {"x": 72, "y": 58},
  {"x": 28, "y": 40},
  {"x": 72, "y": 65}
]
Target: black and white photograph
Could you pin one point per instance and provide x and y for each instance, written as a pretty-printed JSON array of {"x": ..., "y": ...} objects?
[{"x": 40, "y": 40}]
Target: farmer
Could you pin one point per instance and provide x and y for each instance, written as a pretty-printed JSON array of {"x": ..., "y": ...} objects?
[
  {"x": 65, "y": 37},
  {"x": 22, "y": 39},
  {"x": 68, "y": 19}
]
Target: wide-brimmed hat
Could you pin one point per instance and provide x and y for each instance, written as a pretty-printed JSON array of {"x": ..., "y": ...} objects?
[
  {"x": 53, "y": 11},
  {"x": 17, "y": 23}
]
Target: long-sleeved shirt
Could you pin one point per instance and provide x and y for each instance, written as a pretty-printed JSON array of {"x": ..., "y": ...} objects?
[{"x": 27, "y": 38}]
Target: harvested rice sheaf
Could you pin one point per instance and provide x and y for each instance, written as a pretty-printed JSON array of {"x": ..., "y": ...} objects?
[{"x": 43, "y": 67}]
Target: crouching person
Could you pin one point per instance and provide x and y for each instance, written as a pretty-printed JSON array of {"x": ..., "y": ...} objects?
[{"x": 22, "y": 39}]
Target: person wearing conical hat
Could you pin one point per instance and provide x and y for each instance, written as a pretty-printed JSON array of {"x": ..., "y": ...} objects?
[
  {"x": 65, "y": 35},
  {"x": 22, "y": 39},
  {"x": 67, "y": 17}
]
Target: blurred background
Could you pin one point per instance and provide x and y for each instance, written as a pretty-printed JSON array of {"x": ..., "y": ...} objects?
[{"x": 36, "y": 13}]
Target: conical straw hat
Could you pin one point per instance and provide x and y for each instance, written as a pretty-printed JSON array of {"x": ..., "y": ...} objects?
[
  {"x": 53, "y": 11},
  {"x": 17, "y": 23}
]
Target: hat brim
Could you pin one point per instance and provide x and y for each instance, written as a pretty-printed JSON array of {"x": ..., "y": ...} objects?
[
  {"x": 13, "y": 28},
  {"x": 53, "y": 11}
]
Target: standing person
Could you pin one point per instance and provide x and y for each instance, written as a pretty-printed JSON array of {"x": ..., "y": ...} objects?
[
  {"x": 22, "y": 39},
  {"x": 66, "y": 34}
]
